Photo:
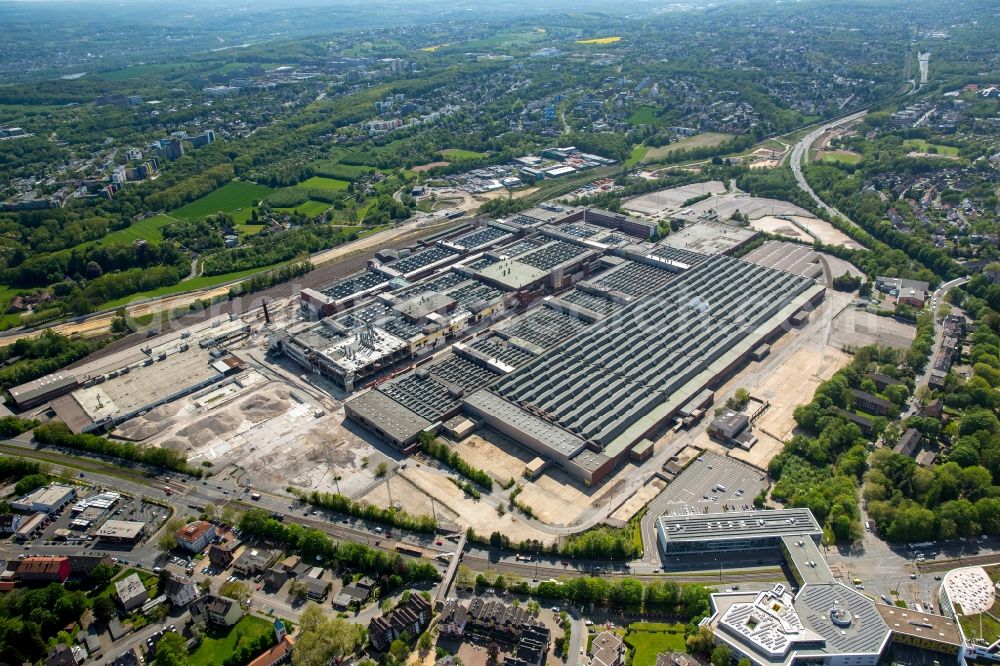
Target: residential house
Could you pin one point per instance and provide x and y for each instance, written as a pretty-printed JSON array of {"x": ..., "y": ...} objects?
[
  {"x": 607, "y": 649},
  {"x": 181, "y": 590},
  {"x": 358, "y": 592},
  {"x": 675, "y": 659},
  {"x": 63, "y": 655},
  {"x": 274, "y": 578},
  {"x": 194, "y": 537},
  {"x": 453, "y": 619},
  {"x": 410, "y": 617},
  {"x": 220, "y": 557},
  {"x": 130, "y": 592},
  {"x": 217, "y": 610},
  {"x": 909, "y": 443},
  {"x": 872, "y": 403},
  {"x": 44, "y": 569},
  {"x": 254, "y": 561}
]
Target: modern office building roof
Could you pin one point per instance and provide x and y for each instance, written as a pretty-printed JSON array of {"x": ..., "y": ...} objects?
[
  {"x": 645, "y": 360},
  {"x": 859, "y": 629},
  {"x": 822, "y": 621},
  {"x": 807, "y": 563},
  {"x": 920, "y": 626},
  {"x": 734, "y": 525}
]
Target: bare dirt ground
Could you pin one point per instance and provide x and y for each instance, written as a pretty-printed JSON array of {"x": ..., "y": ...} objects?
[
  {"x": 414, "y": 486},
  {"x": 498, "y": 456},
  {"x": 269, "y": 430},
  {"x": 856, "y": 328},
  {"x": 776, "y": 225},
  {"x": 794, "y": 384},
  {"x": 826, "y": 232}
]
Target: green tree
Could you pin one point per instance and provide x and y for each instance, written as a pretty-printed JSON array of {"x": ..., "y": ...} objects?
[{"x": 171, "y": 651}]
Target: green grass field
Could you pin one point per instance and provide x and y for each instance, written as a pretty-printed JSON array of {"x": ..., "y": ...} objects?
[
  {"x": 839, "y": 157},
  {"x": 219, "y": 643},
  {"x": 644, "y": 115},
  {"x": 321, "y": 183},
  {"x": 703, "y": 140},
  {"x": 649, "y": 639},
  {"x": 460, "y": 154},
  {"x": 922, "y": 146},
  {"x": 310, "y": 208},
  {"x": 638, "y": 153},
  {"x": 333, "y": 169},
  {"x": 149, "y": 229},
  {"x": 229, "y": 198},
  {"x": 142, "y": 71}
]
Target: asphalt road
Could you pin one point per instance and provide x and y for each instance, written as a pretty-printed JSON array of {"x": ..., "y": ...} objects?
[{"x": 800, "y": 155}]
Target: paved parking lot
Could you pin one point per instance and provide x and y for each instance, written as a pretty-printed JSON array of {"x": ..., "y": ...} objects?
[{"x": 712, "y": 483}]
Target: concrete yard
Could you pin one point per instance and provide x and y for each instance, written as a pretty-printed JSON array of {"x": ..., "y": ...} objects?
[
  {"x": 726, "y": 204},
  {"x": 857, "y": 328},
  {"x": 657, "y": 203}
]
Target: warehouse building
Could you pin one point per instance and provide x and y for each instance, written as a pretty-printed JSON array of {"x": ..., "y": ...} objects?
[
  {"x": 613, "y": 384},
  {"x": 49, "y": 499}
]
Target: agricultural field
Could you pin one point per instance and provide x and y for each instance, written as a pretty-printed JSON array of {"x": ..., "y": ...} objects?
[
  {"x": 230, "y": 198},
  {"x": 460, "y": 154},
  {"x": 648, "y": 639},
  {"x": 703, "y": 140},
  {"x": 644, "y": 115},
  {"x": 599, "y": 40},
  {"x": 324, "y": 183},
  {"x": 219, "y": 643},
  {"x": 922, "y": 146}
]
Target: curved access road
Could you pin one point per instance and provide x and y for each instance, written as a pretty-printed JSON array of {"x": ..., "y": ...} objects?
[{"x": 800, "y": 153}]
